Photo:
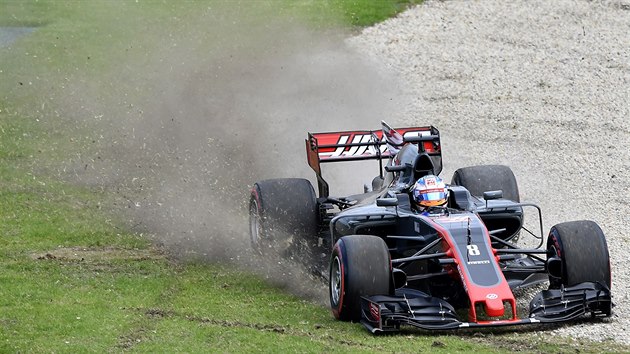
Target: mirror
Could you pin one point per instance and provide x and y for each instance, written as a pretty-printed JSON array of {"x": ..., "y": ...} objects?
[
  {"x": 491, "y": 195},
  {"x": 385, "y": 202}
]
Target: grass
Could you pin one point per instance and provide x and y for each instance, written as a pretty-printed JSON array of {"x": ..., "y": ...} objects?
[
  {"x": 354, "y": 13},
  {"x": 75, "y": 278}
]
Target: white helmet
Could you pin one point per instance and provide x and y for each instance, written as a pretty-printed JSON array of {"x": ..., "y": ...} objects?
[{"x": 429, "y": 191}]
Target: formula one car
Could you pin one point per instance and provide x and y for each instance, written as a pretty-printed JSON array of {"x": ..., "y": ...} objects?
[{"x": 391, "y": 265}]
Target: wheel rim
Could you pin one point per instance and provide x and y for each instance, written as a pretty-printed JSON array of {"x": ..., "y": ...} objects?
[
  {"x": 255, "y": 227},
  {"x": 335, "y": 281}
]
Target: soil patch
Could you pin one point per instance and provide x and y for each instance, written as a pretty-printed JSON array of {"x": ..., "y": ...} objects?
[{"x": 100, "y": 254}]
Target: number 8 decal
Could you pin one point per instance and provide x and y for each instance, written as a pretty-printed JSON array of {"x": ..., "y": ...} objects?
[{"x": 473, "y": 250}]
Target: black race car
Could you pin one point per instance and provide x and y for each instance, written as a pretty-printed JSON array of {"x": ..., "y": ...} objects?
[{"x": 390, "y": 265}]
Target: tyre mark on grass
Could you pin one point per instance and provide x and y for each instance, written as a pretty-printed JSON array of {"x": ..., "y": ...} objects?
[
  {"x": 323, "y": 336},
  {"x": 141, "y": 329}
]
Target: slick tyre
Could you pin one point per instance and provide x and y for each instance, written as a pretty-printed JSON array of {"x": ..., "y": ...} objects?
[
  {"x": 580, "y": 254},
  {"x": 282, "y": 214},
  {"x": 359, "y": 266},
  {"x": 479, "y": 179}
]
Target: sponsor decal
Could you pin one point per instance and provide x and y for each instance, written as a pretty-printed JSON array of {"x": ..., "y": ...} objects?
[
  {"x": 478, "y": 262},
  {"x": 359, "y": 138},
  {"x": 461, "y": 275},
  {"x": 434, "y": 190},
  {"x": 451, "y": 219},
  {"x": 353, "y": 150}
]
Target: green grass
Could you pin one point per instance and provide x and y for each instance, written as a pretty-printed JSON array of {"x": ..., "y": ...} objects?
[
  {"x": 353, "y": 13},
  {"x": 73, "y": 277}
]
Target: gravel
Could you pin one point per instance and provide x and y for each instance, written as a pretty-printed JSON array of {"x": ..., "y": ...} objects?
[{"x": 542, "y": 86}]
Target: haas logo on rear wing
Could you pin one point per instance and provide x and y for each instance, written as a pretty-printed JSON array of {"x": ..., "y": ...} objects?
[
  {"x": 359, "y": 145},
  {"x": 367, "y": 144}
]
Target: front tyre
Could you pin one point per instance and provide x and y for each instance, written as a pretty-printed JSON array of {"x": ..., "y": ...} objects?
[
  {"x": 577, "y": 252},
  {"x": 359, "y": 266}
]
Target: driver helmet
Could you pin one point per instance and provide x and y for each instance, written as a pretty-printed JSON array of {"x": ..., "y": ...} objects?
[{"x": 429, "y": 191}]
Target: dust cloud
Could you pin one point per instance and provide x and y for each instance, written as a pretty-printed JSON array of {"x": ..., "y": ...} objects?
[{"x": 183, "y": 128}]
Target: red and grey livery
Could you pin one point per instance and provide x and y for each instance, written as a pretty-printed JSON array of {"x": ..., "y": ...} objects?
[
  {"x": 469, "y": 259},
  {"x": 445, "y": 268}
]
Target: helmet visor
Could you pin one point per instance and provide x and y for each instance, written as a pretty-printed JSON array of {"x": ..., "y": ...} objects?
[{"x": 432, "y": 197}]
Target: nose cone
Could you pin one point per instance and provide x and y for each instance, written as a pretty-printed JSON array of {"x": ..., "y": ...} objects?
[{"x": 494, "y": 306}]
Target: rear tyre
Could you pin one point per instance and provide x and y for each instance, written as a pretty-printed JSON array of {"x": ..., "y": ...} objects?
[
  {"x": 283, "y": 215},
  {"x": 583, "y": 254},
  {"x": 479, "y": 179},
  {"x": 359, "y": 266},
  {"x": 484, "y": 178}
]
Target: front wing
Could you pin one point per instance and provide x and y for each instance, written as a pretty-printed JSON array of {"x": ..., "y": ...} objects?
[{"x": 382, "y": 313}]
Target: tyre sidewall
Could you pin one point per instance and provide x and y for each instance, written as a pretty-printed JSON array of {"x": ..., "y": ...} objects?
[
  {"x": 259, "y": 243},
  {"x": 338, "y": 308}
]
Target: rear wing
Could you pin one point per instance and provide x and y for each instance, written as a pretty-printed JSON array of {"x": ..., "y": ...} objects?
[{"x": 357, "y": 145}]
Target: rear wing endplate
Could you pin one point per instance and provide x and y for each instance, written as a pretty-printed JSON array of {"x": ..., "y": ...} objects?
[{"x": 357, "y": 145}]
